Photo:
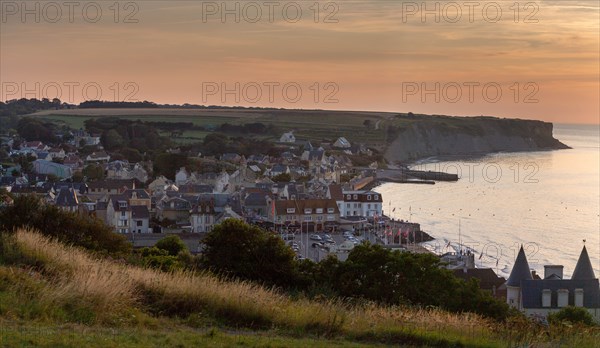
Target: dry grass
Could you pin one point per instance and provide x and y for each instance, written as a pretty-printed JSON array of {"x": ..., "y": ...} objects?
[{"x": 111, "y": 286}]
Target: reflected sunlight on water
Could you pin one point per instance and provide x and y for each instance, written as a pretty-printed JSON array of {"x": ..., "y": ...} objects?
[{"x": 548, "y": 201}]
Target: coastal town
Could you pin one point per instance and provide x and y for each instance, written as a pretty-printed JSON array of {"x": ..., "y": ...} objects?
[{"x": 312, "y": 195}]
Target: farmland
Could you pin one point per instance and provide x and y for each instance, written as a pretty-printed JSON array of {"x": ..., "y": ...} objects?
[{"x": 307, "y": 125}]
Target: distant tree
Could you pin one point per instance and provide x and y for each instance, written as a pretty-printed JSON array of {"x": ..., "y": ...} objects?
[
  {"x": 77, "y": 177},
  {"x": 234, "y": 248},
  {"x": 53, "y": 178},
  {"x": 173, "y": 245},
  {"x": 132, "y": 155},
  {"x": 33, "y": 129},
  {"x": 112, "y": 140},
  {"x": 168, "y": 164},
  {"x": 94, "y": 172},
  {"x": 283, "y": 177}
]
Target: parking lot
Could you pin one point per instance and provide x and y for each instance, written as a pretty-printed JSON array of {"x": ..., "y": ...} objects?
[{"x": 303, "y": 244}]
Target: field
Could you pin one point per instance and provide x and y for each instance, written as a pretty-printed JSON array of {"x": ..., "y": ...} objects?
[
  {"x": 306, "y": 124},
  {"x": 57, "y": 295}
]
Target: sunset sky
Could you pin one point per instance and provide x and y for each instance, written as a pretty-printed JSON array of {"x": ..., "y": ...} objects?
[{"x": 366, "y": 50}]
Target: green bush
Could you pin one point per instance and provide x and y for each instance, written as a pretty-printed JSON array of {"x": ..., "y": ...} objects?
[
  {"x": 81, "y": 230},
  {"x": 571, "y": 315},
  {"x": 173, "y": 245},
  {"x": 234, "y": 248}
]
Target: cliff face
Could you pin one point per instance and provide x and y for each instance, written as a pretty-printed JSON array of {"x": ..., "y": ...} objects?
[{"x": 448, "y": 136}]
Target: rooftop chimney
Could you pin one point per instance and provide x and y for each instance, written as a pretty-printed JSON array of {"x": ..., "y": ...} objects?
[{"x": 553, "y": 269}]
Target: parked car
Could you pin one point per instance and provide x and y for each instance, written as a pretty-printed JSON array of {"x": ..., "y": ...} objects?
[
  {"x": 316, "y": 237},
  {"x": 317, "y": 244}
]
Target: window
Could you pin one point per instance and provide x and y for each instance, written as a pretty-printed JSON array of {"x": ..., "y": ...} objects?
[
  {"x": 546, "y": 297},
  {"x": 355, "y": 196},
  {"x": 330, "y": 210},
  {"x": 123, "y": 213},
  {"x": 139, "y": 223},
  {"x": 308, "y": 218},
  {"x": 563, "y": 298},
  {"x": 320, "y": 218},
  {"x": 368, "y": 197},
  {"x": 330, "y": 218},
  {"x": 348, "y": 205},
  {"x": 291, "y": 210},
  {"x": 369, "y": 206},
  {"x": 355, "y": 205},
  {"x": 307, "y": 211},
  {"x": 319, "y": 210},
  {"x": 376, "y": 197},
  {"x": 578, "y": 297},
  {"x": 349, "y": 197}
]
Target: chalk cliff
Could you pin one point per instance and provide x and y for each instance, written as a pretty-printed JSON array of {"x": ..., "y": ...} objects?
[{"x": 426, "y": 136}]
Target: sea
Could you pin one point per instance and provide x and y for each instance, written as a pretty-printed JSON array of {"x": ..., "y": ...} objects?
[{"x": 546, "y": 201}]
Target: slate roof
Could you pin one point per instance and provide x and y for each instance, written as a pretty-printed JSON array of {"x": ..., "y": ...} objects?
[
  {"x": 532, "y": 291},
  {"x": 316, "y": 155},
  {"x": 141, "y": 193},
  {"x": 67, "y": 197},
  {"x": 139, "y": 212},
  {"x": 336, "y": 192},
  {"x": 113, "y": 184},
  {"x": 195, "y": 188},
  {"x": 583, "y": 269},
  {"x": 204, "y": 208},
  {"x": 520, "y": 271},
  {"x": 256, "y": 199},
  {"x": 487, "y": 277}
]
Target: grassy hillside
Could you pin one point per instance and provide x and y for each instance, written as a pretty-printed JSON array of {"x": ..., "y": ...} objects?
[{"x": 55, "y": 295}]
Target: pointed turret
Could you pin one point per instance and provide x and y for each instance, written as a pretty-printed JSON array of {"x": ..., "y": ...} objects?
[
  {"x": 583, "y": 269},
  {"x": 520, "y": 270}
]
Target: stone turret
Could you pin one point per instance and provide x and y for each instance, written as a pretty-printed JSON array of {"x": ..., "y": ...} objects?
[
  {"x": 583, "y": 269},
  {"x": 519, "y": 273}
]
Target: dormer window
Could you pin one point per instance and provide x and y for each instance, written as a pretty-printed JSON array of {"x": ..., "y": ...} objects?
[
  {"x": 319, "y": 210},
  {"x": 291, "y": 210},
  {"x": 349, "y": 197},
  {"x": 330, "y": 210},
  {"x": 355, "y": 196},
  {"x": 308, "y": 211},
  {"x": 122, "y": 205},
  {"x": 368, "y": 197},
  {"x": 376, "y": 197}
]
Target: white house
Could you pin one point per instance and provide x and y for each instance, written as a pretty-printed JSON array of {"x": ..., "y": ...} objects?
[
  {"x": 287, "y": 138},
  {"x": 360, "y": 203},
  {"x": 182, "y": 176},
  {"x": 202, "y": 217},
  {"x": 342, "y": 143},
  {"x": 540, "y": 297}
]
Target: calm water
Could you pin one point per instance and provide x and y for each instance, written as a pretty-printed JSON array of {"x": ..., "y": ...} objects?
[{"x": 547, "y": 201}]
